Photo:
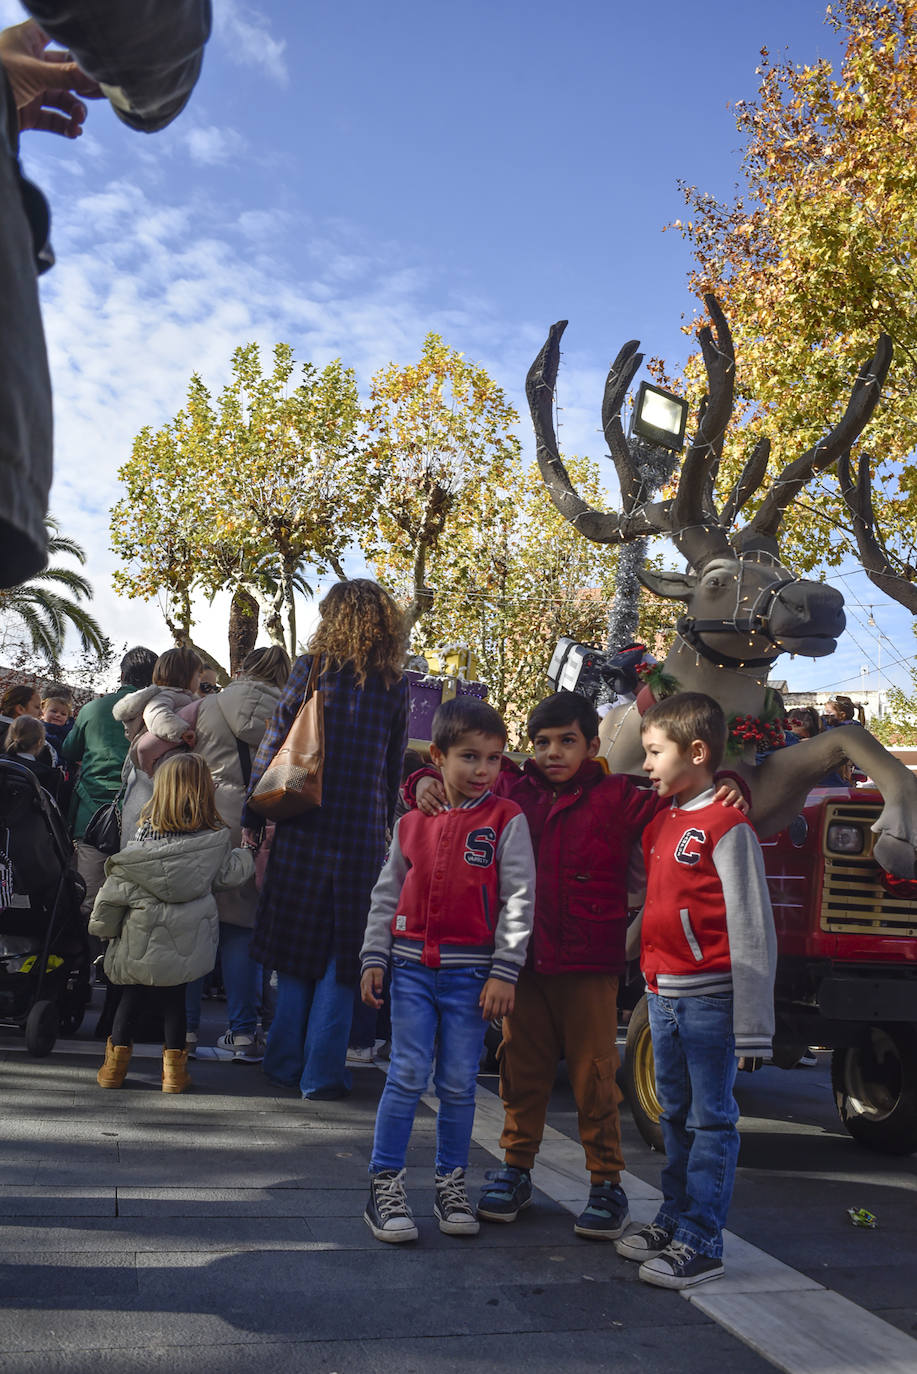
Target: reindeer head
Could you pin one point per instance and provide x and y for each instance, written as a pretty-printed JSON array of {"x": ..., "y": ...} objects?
[{"x": 744, "y": 608}]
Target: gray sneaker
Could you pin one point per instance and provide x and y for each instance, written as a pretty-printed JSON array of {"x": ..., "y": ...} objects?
[
  {"x": 680, "y": 1266},
  {"x": 645, "y": 1243},
  {"x": 452, "y": 1209},
  {"x": 387, "y": 1213},
  {"x": 246, "y": 1049}
]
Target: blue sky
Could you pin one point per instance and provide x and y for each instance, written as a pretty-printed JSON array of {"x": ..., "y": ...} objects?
[{"x": 349, "y": 176}]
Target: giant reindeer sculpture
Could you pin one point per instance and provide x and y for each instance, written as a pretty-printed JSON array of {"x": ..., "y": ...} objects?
[{"x": 743, "y": 607}]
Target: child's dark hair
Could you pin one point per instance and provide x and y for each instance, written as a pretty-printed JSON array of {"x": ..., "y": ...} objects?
[
  {"x": 564, "y": 708},
  {"x": 462, "y": 715},
  {"x": 688, "y": 716}
]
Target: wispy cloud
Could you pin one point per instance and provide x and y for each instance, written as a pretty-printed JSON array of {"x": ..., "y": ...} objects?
[
  {"x": 213, "y": 145},
  {"x": 245, "y": 34},
  {"x": 141, "y": 298}
]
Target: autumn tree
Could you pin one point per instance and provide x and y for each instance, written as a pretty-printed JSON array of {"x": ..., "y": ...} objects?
[
  {"x": 257, "y": 492},
  {"x": 439, "y": 440},
  {"x": 514, "y": 580},
  {"x": 814, "y": 258}
]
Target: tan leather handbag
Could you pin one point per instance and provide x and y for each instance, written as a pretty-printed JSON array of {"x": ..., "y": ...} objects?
[{"x": 292, "y": 781}]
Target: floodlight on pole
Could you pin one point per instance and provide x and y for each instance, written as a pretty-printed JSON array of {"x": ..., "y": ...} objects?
[{"x": 659, "y": 417}]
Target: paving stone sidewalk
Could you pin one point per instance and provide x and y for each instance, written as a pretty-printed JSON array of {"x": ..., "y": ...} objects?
[{"x": 221, "y": 1231}]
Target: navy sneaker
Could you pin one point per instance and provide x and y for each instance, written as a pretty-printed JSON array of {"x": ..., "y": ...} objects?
[
  {"x": 645, "y": 1243},
  {"x": 508, "y": 1191},
  {"x": 605, "y": 1215},
  {"x": 679, "y": 1266}
]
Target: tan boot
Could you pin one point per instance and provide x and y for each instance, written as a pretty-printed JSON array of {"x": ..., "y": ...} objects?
[
  {"x": 117, "y": 1058},
  {"x": 175, "y": 1075}
]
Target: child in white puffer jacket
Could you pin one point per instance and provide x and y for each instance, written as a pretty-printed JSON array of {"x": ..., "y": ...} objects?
[{"x": 157, "y": 910}]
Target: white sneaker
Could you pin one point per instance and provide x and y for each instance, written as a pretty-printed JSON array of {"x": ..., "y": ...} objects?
[
  {"x": 246, "y": 1049},
  {"x": 360, "y": 1057},
  {"x": 191, "y": 1044}
]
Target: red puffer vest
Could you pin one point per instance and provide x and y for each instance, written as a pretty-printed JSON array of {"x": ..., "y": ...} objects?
[{"x": 583, "y": 835}]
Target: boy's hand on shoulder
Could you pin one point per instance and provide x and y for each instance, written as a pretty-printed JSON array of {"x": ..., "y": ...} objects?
[
  {"x": 497, "y": 998},
  {"x": 729, "y": 795},
  {"x": 430, "y": 796},
  {"x": 371, "y": 987}
]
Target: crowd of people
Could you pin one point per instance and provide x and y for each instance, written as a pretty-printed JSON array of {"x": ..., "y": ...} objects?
[{"x": 501, "y": 892}]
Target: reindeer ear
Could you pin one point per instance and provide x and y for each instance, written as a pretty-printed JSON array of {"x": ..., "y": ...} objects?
[{"x": 674, "y": 585}]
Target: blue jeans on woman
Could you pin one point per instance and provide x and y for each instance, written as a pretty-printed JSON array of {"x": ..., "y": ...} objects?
[
  {"x": 434, "y": 1011},
  {"x": 241, "y": 979},
  {"x": 694, "y": 1051},
  {"x": 307, "y": 1043}
]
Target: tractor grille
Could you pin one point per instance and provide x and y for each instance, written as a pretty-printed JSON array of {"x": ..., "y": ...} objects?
[{"x": 853, "y": 898}]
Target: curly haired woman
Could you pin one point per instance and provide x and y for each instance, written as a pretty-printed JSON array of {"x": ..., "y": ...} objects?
[{"x": 323, "y": 864}]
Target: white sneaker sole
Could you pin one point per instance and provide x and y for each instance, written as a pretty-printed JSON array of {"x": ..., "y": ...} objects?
[
  {"x": 467, "y": 1227},
  {"x": 615, "y": 1234},
  {"x": 391, "y": 1237}
]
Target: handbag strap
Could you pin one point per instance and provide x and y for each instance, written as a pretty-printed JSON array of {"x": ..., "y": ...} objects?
[{"x": 315, "y": 673}]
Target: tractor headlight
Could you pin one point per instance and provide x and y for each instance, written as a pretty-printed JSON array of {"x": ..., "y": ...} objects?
[{"x": 845, "y": 839}]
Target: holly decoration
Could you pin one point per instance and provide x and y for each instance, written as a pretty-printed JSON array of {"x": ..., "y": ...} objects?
[{"x": 660, "y": 683}]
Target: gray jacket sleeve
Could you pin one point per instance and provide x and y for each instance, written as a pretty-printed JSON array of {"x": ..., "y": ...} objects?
[
  {"x": 145, "y": 54},
  {"x": 516, "y": 860},
  {"x": 752, "y": 939},
  {"x": 237, "y": 869},
  {"x": 377, "y": 942},
  {"x": 162, "y": 720}
]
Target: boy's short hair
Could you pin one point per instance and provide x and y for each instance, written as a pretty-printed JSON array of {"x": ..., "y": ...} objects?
[
  {"x": 137, "y": 666},
  {"x": 461, "y": 716},
  {"x": 564, "y": 708},
  {"x": 689, "y": 716}
]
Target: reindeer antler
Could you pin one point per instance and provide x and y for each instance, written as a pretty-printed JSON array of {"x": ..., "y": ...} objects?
[
  {"x": 604, "y": 527},
  {"x": 863, "y": 399},
  {"x": 696, "y": 529},
  {"x": 750, "y": 479},
  {"x": 873, "y": 552}
]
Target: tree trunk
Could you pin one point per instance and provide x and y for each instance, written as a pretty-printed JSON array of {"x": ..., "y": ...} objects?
[
  {"x": 243, "y": 627},
  {"x": 180, "y": 629}
]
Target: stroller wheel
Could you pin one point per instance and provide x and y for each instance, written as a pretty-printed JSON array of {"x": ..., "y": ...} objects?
[{"x": 41, "y": 1029}]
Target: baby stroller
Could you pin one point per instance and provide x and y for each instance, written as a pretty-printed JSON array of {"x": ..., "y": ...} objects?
[{"x": 45, "y": 971}]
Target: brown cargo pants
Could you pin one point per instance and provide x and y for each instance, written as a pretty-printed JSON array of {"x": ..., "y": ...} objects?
[{"x": 556, "y": 1016}]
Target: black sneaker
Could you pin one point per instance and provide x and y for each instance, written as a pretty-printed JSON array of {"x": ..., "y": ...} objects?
[
  {"x": 452, "y": 1209},
  {"x": 508, "y": 1191},
  {"x": 644, "y": 1244},
  {"x": 680, "y": 1267},
  {"x": 605, "y": 1215},
  {"x": 387, "y": 1213}
]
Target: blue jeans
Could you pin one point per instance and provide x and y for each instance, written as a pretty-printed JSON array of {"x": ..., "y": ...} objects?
[
  {"x": 307, "y": 1043},
  {"x": 433, "y": 1011},
  {"x": 694, "y": 1050},
  {"x": 241, "y": 979}
]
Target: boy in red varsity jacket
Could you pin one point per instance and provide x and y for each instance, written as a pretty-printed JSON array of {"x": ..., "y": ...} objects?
[
  {"x": 452, "y": 911},
  {"x": 708, "y": 956},
  {"x": 585, "y": 824}
]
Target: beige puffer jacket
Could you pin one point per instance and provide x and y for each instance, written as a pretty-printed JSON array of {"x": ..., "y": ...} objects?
[
  {"x": 157, "y": 908},
  {"x": 240, "y": 712}
]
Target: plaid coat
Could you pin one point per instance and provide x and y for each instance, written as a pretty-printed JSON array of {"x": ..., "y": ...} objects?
[{"x": 323, "y": 864}]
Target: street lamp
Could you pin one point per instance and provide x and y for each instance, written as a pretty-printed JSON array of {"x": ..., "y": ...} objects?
[{"x": 659, "y": 418}]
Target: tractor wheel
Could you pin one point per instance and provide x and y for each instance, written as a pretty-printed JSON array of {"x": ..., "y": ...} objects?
[
  {"x": 875, "y": 1088},
  {"x": 638, "y": 1077},
  {"x": 41, "y": 1029}
]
